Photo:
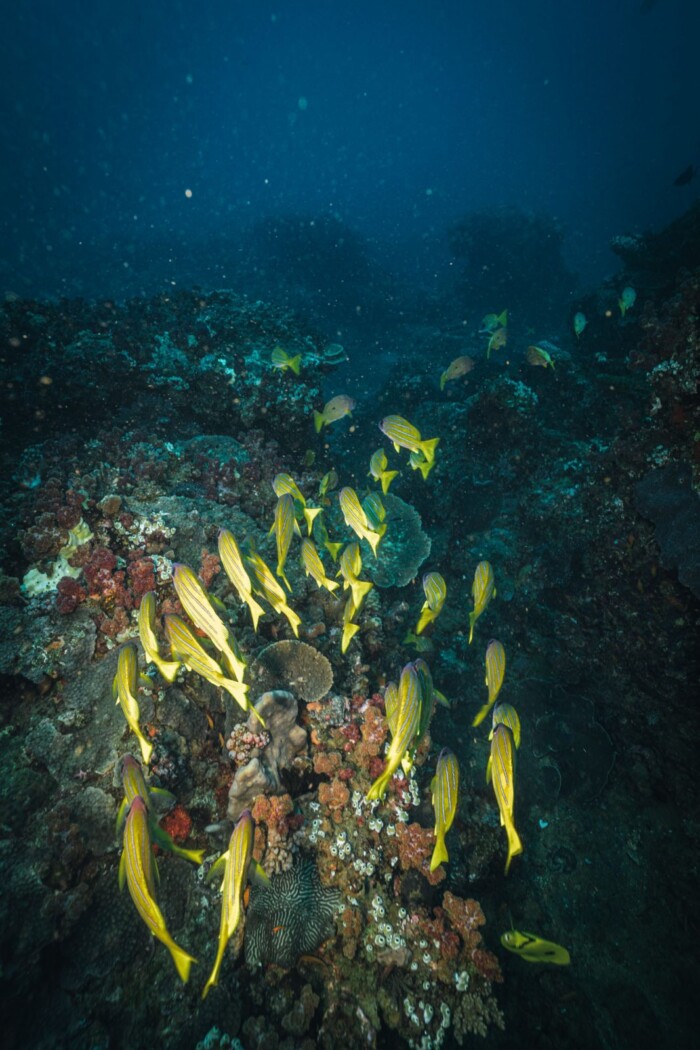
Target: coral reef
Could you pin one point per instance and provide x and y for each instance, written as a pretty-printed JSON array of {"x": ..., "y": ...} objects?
[
  {"x": 295, "y": 666},
  {"x": 262, "y": 774},
  {"x": 292, "y": 916},
  {"x": 579, "y": 485},
  {"x": 404, "y": 548},
  {"x": 666, "y": 496}
]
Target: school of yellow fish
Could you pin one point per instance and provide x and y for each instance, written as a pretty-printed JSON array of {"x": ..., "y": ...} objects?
[{"x": 408, "y": 706}]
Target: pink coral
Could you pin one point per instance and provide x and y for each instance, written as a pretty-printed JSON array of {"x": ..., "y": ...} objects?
[
  {"x": 70, "y": 595},
  {"x": 211, "y": 567},
  {"x": 177, "y": 823},
  {"x": 142, "y": 577},
  {"x": 416, "y": 846}
]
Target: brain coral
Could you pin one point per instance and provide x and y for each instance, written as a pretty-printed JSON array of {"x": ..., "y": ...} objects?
[{"x": 290, "y": 917}]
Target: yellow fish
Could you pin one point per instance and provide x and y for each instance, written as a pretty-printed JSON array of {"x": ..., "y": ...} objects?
[
  {"x": 407, "y": 724},
  {"x": 284, "y": 527},
  {"x": 237, "y": 862},
  {"x": 435, "y": 590},
  {"x": 196, "y": 602},
  {"x": 418, "y": 462},
  {"x": 232, "y": 561},
  {"x": 459, "y": 367},
  {"x": 313, "y": 566},
  {"x": 281, "y": 359},
  {"x": 125, "y": 689},
  {"x": 421, "y": 645},
  {"x": 534, "y": 949},
  {"x": 403, "y": 434},
  {"x": 356, "y": 519},
  {"x": 378, "y": 470},
  {"x": 428, "y": 696},
  {"x": 136, "y": 868},
  {"x": 350, "y": 628},
  {"x": 335, "y": 409},
  {"x": 497, "y": 340},
  {"x": 537, "y": 355},
  {"x": 134, "y": 783},
  {"x": 285, "y": 485},
  {"x": 327, "y": 483},
  {"x": 391, "y": 706},
  {"x": 445, "y": 792},
  {"x": 374, "y": 509},
  {"x": 493, "y": 321},
  {"x": 147, "y": 633},
  {"x": 350, "y": 568},
  {"x": 495, "y": 673},
  {"x": 321, "y": 534},
  {"x": 272, "y": 591},
  {"x": 188, "y": 650},
  {"x": 505, "y": 714},
  {"x": 501, "y": 772},
  {"x": 483, "y": 590},
  {"x": 627, "y": 300}
]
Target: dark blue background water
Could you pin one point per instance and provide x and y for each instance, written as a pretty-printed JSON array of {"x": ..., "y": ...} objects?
[{"x": 396, "y": 117}]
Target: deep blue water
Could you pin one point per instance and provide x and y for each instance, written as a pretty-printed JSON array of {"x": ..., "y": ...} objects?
[{"x": 396, "y": 117}]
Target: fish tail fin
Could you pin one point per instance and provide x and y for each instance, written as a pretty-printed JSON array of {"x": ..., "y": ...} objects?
[
  {"x": 213, "y": 979},
  {"x": 146, "y": 747},
  {"x": 378, "y": 788},
  {"x": 282, "y": 575},
  {"x": 443, "y": 380},
  {"x": 319, "y": 420},
  {"x": 481, "y": 715},
  {"x": 360, "y": 589},
  {"x": 387, "y": 476},
  {"x": 428, "y": 448},
  {"x": 330, "y": 585},
  {"x": 238, "y": 691},
  {"x": 424, "y": 619},
  {"x": 167, "y": 669},
  {"x": 502, "y": 319},
  {"x": 295, "y": 364},
  {"x": 334, "y": 549},
  {"x": 425, "y": 467},
  {"x": 182, "y": 959},
  {"x": 256, "y": 611},
  {"x": 294, "y": 620},
  {"x": 349, "y": 632},
  {"x": 373, "y": 539},
  {"x": 195, "y": 856},
  {"x": 440, "y": 854},
  {"x": 309, "y": 514},
  {"x": 472, "y": 621},
  {"x": 515, "y": 846}
]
